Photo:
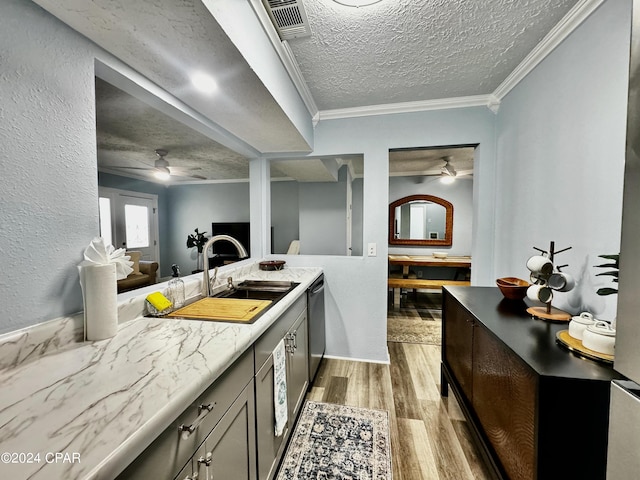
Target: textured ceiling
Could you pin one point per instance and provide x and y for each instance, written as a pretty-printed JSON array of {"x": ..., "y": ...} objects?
[
  {"x": 166, "y": 41},
  {"x": 129, "y": 131},
  {"x": 392, "y": 52},
  {"x": 406, "y": 50},
  {"x": 429, "y": 161}
]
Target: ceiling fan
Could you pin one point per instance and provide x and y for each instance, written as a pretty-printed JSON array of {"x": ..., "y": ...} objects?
[
  {"x": 163, "y": 171},
  {"x": 448, "y": 173}
]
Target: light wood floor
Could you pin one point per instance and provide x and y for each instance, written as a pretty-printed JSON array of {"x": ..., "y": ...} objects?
[{"x": 429, "y": 436}]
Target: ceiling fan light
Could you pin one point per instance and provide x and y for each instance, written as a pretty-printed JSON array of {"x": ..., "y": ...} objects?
[
  {"x": 204, "y": 83},
  {"x": 447, "y": 179},
  {"x": 162, "y": 173}
]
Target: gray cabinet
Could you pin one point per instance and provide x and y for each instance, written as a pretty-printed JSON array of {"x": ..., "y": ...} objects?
[
  {"x": 228, "y": 432},
  {"x": 230, "y": 449},
  {"x": 297, "y": 366},
  {"x": 167, "y": 456},
  {"x": 292, "y": 327}
]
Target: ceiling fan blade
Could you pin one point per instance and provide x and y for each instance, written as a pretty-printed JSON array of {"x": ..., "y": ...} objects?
[
  {"x": 132, "y": 168},
  {"x": 184, "y": 169}
]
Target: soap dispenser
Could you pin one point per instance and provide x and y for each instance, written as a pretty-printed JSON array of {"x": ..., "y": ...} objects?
[{"x": 176, "y": 288}]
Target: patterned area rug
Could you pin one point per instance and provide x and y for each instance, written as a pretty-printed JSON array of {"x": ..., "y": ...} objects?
[
  {"x": 337, "y": 442},
  {"x": 417, "y": 320}
]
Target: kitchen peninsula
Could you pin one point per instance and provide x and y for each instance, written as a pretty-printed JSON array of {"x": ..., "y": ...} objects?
[{"x": 103, "y": 403}]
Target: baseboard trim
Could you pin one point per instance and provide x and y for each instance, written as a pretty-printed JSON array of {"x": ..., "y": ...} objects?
[{"x": 362, "y": 360}]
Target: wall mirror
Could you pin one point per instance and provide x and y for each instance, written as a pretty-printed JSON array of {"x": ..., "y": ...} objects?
[
  {"x": 422, "y": 220},
  {"x": 209, "y": 182}
]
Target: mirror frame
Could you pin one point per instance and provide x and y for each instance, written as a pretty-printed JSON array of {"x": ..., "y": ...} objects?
[{"x": 448, "y": 234}]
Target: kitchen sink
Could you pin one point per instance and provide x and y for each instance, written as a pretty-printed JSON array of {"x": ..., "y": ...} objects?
[
  {"x": 267, "y": 285},
  {"x": 259, "y": 290},
  {"x": 244, "y": 303}
]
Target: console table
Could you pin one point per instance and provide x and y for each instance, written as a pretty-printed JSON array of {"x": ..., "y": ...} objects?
[{"x": 536, "y": 410}]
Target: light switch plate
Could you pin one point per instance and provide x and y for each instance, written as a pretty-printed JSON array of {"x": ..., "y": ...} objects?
[{"x": 372, "y": 250}]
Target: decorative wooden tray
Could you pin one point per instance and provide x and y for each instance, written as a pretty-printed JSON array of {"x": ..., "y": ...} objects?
[
  {"x": 556, "y": 315},
  {"x": 226, "y": 309},
  {"x": 575, "y": 345}
]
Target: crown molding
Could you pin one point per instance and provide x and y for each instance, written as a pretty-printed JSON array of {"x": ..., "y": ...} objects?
[
  {"x": 405, "y": 107},
  {"x": 572, "y": 20},
  {"x": 292, "y": 67},
  {"x": 286, "y": 57}
]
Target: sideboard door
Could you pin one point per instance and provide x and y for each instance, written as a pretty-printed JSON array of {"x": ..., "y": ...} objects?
[
  {"x": 504, "y": 399},
  {"x": 458, "y": 333}
]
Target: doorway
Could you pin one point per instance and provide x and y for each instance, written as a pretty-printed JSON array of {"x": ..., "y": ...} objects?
[
  {"x": 129, "y": 220},
  {"x": 444, "y": 172}
]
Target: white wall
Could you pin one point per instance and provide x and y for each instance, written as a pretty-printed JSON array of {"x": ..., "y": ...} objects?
[
  {"x": 560, "y": 144},
  {"x": 459, "y": 193}
]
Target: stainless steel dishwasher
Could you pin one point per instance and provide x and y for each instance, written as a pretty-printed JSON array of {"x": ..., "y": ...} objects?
[{"x": 315, "y": 302}]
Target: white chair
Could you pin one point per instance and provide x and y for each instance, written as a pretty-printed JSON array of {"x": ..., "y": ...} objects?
[{"x": 294, "y": 248}]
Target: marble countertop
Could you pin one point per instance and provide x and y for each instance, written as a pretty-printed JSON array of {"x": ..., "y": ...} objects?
[{"x": 87, "y": 412}]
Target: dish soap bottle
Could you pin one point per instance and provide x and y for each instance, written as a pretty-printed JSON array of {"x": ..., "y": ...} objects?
[{"x": 176, "y": 288}]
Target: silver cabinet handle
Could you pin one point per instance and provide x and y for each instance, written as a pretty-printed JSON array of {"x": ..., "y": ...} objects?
[
  {"x": 203, "y": 411},
  {"x": 207, "y": 463},
  {"x": 289, "y": 346},
  {"x": 294, "y": 337}
]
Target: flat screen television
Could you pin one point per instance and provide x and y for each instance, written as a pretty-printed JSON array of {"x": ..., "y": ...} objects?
[{"x": 238, "y": 230}]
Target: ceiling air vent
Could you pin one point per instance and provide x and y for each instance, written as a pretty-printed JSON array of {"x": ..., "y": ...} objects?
[{"x": 289, "y": 18}]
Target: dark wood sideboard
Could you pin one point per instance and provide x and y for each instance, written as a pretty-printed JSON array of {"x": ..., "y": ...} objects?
[{"x": 536, "y": 410}]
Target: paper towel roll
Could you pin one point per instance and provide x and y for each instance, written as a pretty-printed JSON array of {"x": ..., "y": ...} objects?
[{"x": 100, "y": 301}]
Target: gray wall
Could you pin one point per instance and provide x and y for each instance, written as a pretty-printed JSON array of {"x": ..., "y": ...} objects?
[
  {"x": 315, "y": 213},
  {"x": 323, "y": 217},
  {"x": 134, "y": 185},
  {"x": 285, "y": 214},
  {"x": 459, "y": 193},
  {"x": 547, "y": 165},
  {"x": 49, "y": 200},
  {"x": 561, "y": 139},
  {"x": 182, "y": 208},
  {"x": 197, "y": 206},
  {"x": 357, "y": 286}
]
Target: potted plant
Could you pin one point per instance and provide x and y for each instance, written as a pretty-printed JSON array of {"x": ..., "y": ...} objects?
[
  {"x": 198, "y": 240},
  {"x": 614, "y": 263}
]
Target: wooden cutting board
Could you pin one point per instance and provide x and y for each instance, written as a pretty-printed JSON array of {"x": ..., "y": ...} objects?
[{"x": 230, "y": 309}]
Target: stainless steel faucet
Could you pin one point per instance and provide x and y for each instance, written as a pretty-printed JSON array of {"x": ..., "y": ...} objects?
[{"x": 206, "y": 281}]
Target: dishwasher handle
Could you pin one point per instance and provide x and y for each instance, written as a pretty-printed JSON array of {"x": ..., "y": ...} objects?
[{"x": 317, "y": 288}]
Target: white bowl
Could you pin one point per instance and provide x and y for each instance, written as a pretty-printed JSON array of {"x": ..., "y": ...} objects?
[
  {"x": 440, "y": 254},
  {"x": 600, "y": 337},
  {"x": 579, "y": 324}
]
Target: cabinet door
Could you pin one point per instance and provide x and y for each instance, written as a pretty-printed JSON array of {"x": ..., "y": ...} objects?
[
  {"x": 504, "y": 399},
  {"x": 458, "y": 344},
  {"x": 269, "y": 446},
  {"x": 229, "y": 450},
  {"x": 297, "y": 366}
]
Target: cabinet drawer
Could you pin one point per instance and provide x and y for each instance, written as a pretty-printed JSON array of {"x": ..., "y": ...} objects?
[
  {"x": 169, "y": 453},
  {"x": 265, "y": 345},
  {"x": 229, "y": 451}
]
